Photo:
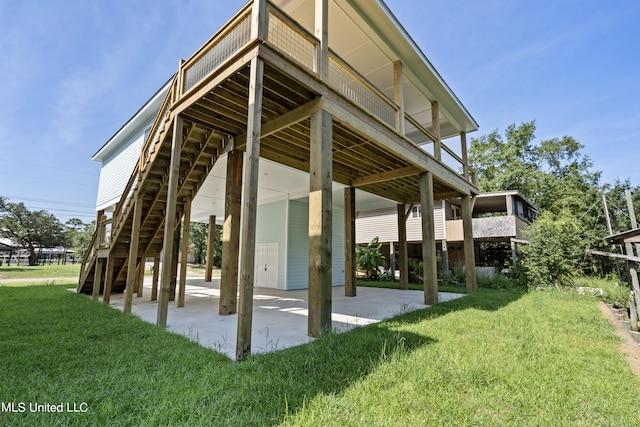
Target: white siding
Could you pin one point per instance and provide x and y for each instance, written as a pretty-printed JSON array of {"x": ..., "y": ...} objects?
[
  {"x": 298, "y": 250},
  {"x": 116, "y": 171},
  {"x": 380, "y": 223},
  {"x": 383, "y": 223}
]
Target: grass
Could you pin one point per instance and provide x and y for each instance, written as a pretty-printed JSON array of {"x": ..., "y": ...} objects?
[
  {"x": 412, "y": 286},
  {"x": 39, "y": 271},
  {"x": 491, "y": 358}
]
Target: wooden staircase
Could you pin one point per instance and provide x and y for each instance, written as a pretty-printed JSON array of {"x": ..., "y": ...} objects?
[{"x": 149, "y": 182}]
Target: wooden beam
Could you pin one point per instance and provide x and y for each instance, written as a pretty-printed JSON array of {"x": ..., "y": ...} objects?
[
  {"x": 321, "y": 16},
  {"x": 97, "y": 279},
  {"x": 284, "y": 121},
  {"x": 211, "y": 242},
  {"x": 231, "y": 234},
  {"x": 435, "y": 125},
  {"x": 140, "y": 277},
  {"x": 429, "y": 262},
  {"x": 259, "y": 16},
  {"x": 386, "y": 176},
  {"x": 465, "y": 158},
  {"x": 156, "y": 275},
  {"x": 108, "y": 279},
  {"x": 350, "y": 242},
  {"x": 320, "y": 223},
  {"x": 249, "y": 203},
  {"x": 184, "y": 259},
  {"x": 170, "y": 221},
  {"x": 398, "y": 96},
  {"x": 403, "y": 258},
  {"x": 614, "y": 255},
  {"x": 133, "y": 252},
  {"x": 469, "y": 250}
]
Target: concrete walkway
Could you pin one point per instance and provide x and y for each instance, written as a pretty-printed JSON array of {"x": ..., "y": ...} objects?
[{"x": 279, "y": 317}]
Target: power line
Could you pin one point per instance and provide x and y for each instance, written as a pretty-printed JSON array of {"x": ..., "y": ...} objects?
[{"x": 57, "y": 202}]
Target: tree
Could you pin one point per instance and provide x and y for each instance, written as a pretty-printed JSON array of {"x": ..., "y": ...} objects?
[
  {"x": 553, "y": 173},
  {"x": 29, "y": 229},
  {"x": 555, "y": 250},
  {"x": 79, "y": 236},
  {"x": 199, "y": 238}
]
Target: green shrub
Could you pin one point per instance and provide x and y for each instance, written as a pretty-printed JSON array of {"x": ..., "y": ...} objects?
[{"x": 370, "y": 259}]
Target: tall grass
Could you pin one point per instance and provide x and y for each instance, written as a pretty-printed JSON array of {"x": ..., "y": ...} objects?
[{"x": 491, "y": 358}]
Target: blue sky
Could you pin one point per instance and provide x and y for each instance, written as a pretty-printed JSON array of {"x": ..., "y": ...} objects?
[{"x": 73, "y": 72}]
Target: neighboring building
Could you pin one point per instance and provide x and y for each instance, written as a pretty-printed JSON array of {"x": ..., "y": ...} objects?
[
  {"x": 292, "y": 116},
  {"x": 499, "y": 223}
]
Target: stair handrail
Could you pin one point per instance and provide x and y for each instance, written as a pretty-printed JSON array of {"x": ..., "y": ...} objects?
[{"x": 140, "y": 166}]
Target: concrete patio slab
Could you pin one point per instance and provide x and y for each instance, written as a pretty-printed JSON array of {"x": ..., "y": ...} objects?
[{"x": 279, "y": 317}]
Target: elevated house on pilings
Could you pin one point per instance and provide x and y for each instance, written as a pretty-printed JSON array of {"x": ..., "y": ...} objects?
[{"x": 296, "y": 111}]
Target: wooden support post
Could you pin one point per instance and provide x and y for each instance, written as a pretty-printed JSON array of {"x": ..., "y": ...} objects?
[
  {"x": 231, "y": 234},
  {"x": 514, "y": 254},
  {"x": 469, "y": 251},
  {"x": 174, "y": 264},
  {"x": 320, "y": 226},
  {"x": 632, "y": 216},
  {"x": 465, "y": 157},
  {"x": 445, "y": 256},
  {"x": 184, "y": 259},
  {"x": 97, "y": 279},
  {"x": 133, "y": 253},
  {"x": 403, "y": 259},
  {"x": 350, "y": 242},
  {"x": 435, "y": 124},
  {"x": 249, "y": 203},
  {"x": 108, "y": 281},
  {"x": 429, "y": 262},
  {"x": 635, "y": 286},
  {"x": 398, "y": 96},
  {"x": 211, "y": 244},
  {"x": 154, "y": 280},
  {"x": 322, "y": 33},
  {"x": 140, "y": 277},
  {"x": 170, "y": 221}
]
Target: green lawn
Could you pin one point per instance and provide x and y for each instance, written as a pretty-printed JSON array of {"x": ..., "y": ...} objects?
[
  {"x": 462, "y": 289},
  {"x": 491, "y": 358},
  {"x": 39, "y": 271}
]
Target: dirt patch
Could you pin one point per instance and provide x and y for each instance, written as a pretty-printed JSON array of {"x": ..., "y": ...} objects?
[{"x": 630, "y": 348}]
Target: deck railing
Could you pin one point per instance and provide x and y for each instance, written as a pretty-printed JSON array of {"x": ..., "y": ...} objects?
[
  {"x": 226, "y": 42},
  {"x": 294, "y": 41}
]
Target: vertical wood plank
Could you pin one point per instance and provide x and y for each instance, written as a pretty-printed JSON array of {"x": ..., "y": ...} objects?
[
  {"x": 320, "y": 226},
  {"x": 465, "y": 157},
  {"x": 249, "y": 203},
  {"x": 97, "y": 279},
  {"x": 156, "y": 275},
  {"x": 403, "y": 258},
  {"x": 140, "y": 277},
  {"x": 108, "y": 281},
  {"x": 170, "y": 221},
  {"x": 350, "y": 287},
  {"x": 174, "y": 264},
  {"x": 435, "y": 124},
  {"x": 429, "y": 262},
  {"x": 133, "y": 253},
  {"x": 469, "y": 251},
  {"x": 231, "y": 235},
  {"x": 398, "y": 96},
  {"x": 211, "y": 243},
  {"x": 259, "y": 19},
  {"x": 321, "y": 33},
  {"x": 184, "y": 259}
]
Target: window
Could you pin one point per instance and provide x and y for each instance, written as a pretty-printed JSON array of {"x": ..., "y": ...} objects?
[
  {"x": 416, "y": 212},
  {"x": 456, "y": 213}
]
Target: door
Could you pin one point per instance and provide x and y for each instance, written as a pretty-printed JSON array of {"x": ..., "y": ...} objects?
[{"x": 267, "y": 265}]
